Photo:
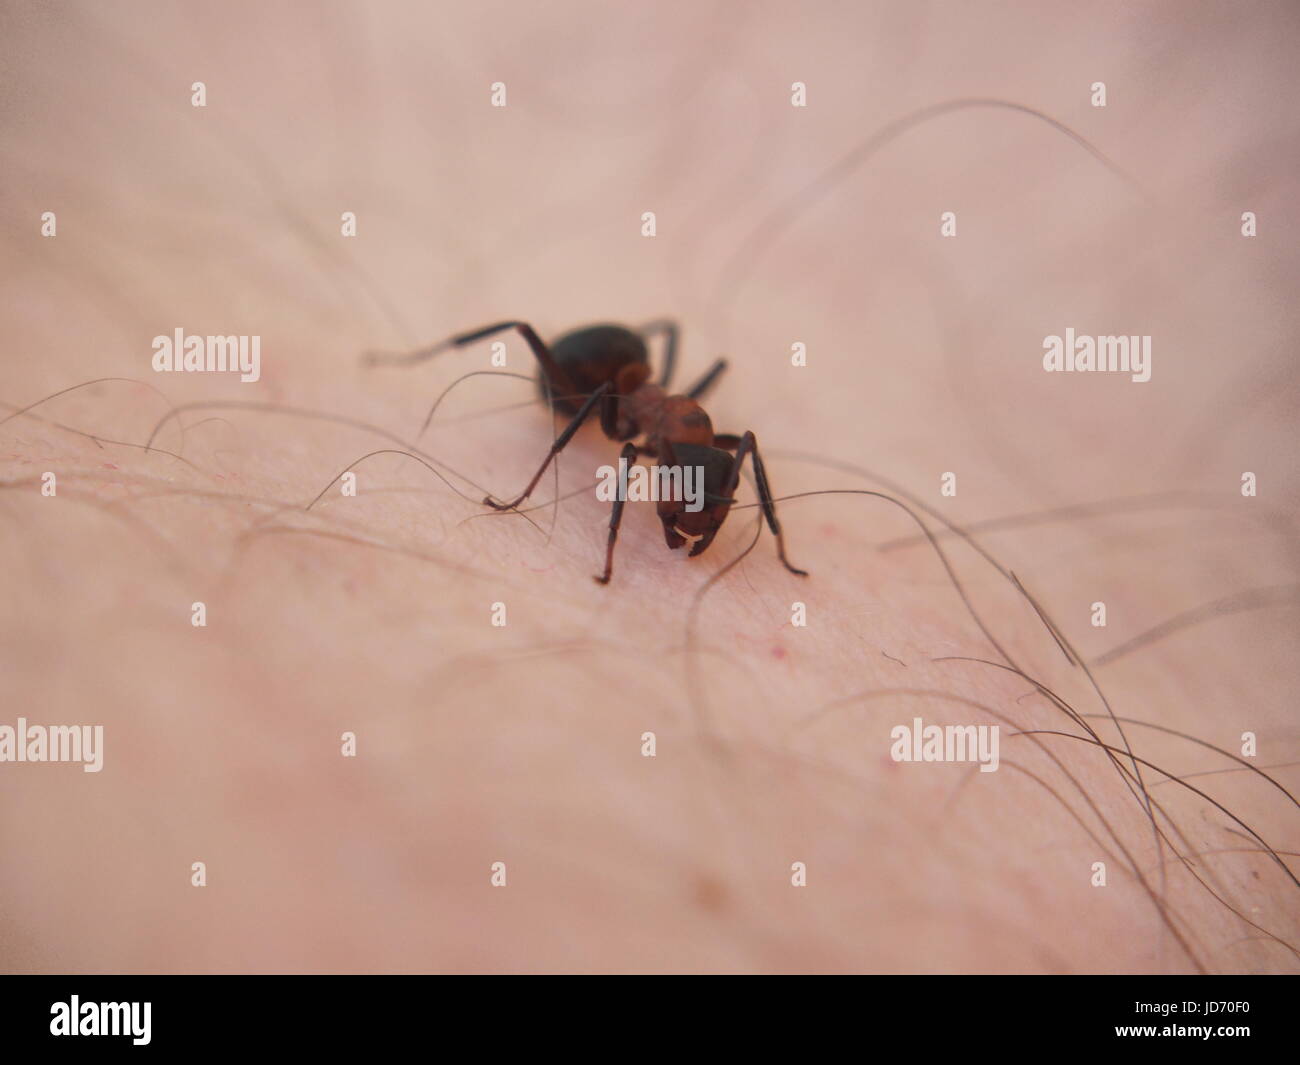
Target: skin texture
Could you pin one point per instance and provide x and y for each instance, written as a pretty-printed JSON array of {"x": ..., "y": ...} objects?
[{"x": 522, "y": 744}]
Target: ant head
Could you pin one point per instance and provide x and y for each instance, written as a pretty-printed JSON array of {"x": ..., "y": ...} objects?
[{"x": 698, "y": 517}]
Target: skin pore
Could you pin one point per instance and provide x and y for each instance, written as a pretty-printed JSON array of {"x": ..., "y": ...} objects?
[{"x": 522, "y": 743}]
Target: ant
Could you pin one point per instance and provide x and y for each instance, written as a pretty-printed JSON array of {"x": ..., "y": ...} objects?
[{"x": 609, "y": 366}]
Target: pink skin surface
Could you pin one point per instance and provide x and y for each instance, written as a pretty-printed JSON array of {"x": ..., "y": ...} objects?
[{"x": 523, "y": 743}]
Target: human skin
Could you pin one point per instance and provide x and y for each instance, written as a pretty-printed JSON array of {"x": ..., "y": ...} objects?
[{"x": 523, "y": 743}]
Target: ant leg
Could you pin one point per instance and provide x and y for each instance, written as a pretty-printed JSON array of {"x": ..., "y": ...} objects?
[
  {"x": 706, "y": 382},
  {"x": 539, "y": 349},
  {"x": 668, "y": 328},
  {"x": 749, "y": 445},
  {"x": 560, "y": 442},
  {"x": 726, "y": 441},
  {"x": 609, "y": 414},
  {"x": 616, "y": 518}
]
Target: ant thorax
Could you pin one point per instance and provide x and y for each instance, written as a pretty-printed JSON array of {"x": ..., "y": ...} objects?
[{"x": 674, "y": 419}]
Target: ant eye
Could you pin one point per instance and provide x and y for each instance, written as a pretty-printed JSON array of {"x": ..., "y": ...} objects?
[{"x": 716, "y": 466}]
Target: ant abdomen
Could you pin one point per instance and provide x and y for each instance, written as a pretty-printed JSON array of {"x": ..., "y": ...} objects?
[{"x": 591, "y": 356}]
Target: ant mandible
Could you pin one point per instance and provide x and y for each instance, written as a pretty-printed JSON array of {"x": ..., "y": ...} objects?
[{"x": 609, "y": 366}]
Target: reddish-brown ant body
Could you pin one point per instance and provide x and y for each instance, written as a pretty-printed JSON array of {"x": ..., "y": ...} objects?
[{"x": 609, "y": 366}]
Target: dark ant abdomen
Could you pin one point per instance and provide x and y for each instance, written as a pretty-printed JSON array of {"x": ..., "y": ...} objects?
[{"x": 591, "y": 356}]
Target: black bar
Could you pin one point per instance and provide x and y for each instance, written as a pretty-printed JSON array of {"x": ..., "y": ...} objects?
[{"x": 924, "y": 1014}]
